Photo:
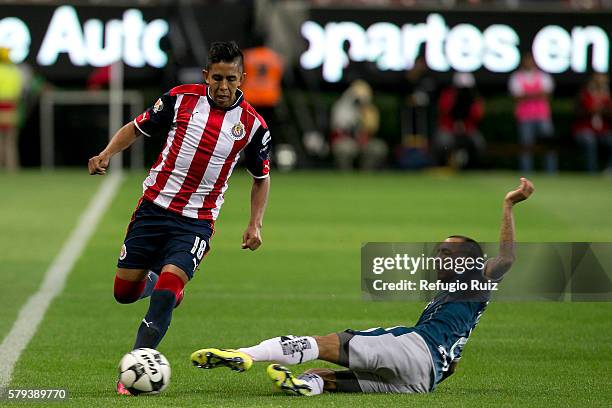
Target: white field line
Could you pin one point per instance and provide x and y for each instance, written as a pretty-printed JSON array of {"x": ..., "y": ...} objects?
[{"x": 33, "y": 311}]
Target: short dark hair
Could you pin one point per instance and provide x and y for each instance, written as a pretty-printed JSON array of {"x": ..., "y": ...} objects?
[
  {"x": 473, "y": 248},
  {"x": 224, "y": 51}
]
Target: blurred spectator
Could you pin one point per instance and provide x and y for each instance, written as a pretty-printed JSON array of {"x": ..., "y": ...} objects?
[
  {"x": 262, "y": 85},
  {"x": 458, "y": 142},
  {"x": 532, "y": 89},
  {"x": 420, "y": 92},
  {"x": 11, "y": 87},
  {"x": 592, "y": 126},
  {"x": 354, "y": 122},
  {"x": 264, "y": 74},
  {"x": 99, "y": 78},
  {"x": 417, "y": 116}
]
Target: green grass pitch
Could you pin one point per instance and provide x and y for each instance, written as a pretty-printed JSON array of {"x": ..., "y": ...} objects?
[{"x": 305, "y": 280}]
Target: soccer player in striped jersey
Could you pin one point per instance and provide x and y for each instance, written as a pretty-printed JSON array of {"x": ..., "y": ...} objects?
[
  {"x": 206, "y": 128},
  {"x": 395, "y": 360}
]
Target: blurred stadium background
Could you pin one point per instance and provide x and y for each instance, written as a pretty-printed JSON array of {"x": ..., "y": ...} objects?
[{"x": 303, "y": 55}]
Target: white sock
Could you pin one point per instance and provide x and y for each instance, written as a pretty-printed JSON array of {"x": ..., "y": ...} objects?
[
  {"x": 314, "y": 381},
  {"x": 285, "y": 350}
]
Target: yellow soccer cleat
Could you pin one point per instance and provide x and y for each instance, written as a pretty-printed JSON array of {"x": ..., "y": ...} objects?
[
  {"x": 286, "y": 382},
  {"x": 213, "y": 358}
]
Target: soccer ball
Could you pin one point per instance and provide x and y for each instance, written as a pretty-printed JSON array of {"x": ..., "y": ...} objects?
[{"x": 144, "y": 371}]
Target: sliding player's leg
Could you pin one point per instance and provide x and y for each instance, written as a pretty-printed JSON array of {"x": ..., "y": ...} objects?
[
  {"x": 379, "y": 360},
  {"x": 314, "y": 381},
  {"x": 296, "y": 349},
  {"x": 284, "y": 380},
  {"x": 283, "y": 349}
]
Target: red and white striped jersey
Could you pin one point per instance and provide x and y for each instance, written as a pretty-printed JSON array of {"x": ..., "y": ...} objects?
[{"x": 203, "y": 145}]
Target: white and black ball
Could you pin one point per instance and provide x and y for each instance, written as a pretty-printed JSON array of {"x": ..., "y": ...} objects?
[{"x": 144, "y": 371}]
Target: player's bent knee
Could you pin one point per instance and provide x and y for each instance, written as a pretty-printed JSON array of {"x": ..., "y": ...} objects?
[{"x": 126, "y": 291}]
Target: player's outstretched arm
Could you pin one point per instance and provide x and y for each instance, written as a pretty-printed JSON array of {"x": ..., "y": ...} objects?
[
  {"x": 496, "y": 267},
  {"x": 251, "y": 238},
  {"x": 120, "y": 141}
]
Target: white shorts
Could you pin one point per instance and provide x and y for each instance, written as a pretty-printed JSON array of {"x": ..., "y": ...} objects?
[{"x": 388, "y": 363}]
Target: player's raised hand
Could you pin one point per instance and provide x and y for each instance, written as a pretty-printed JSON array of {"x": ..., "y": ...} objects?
[
  {"x": 524, "y": 190},
  {"x": 251, "y": 239},
  {"x": 98, "y": 164}
]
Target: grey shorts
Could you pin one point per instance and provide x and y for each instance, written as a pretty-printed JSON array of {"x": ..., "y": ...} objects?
[{"x": 387, "y": 363}]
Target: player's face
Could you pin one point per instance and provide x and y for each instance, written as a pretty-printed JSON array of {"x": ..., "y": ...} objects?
[
  {"x": 449, "y": 248},
  {"x": 223, "y": 79}
]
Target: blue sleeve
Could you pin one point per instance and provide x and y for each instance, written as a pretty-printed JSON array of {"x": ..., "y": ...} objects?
[
  {"x": 257, "y": 153},
  {"x": 157, "y": 120}
]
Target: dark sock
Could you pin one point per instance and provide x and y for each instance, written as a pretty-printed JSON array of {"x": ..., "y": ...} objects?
[
  {"x": 127, "y": 291},
  {"x": 150, "y": 282},
  {"x": 156, "y": 321}
]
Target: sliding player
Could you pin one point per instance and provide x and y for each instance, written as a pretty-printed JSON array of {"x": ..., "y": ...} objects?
[
  {"x": 397, "y": 360},
  {"x": 206, "y": 128}
]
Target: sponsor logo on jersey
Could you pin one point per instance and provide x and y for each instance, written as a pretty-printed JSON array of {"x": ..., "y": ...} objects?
[
  {"x": 159, "y": 105},
  {"x": 123, "y": 253},
  {"x": 238, "y": 131}
]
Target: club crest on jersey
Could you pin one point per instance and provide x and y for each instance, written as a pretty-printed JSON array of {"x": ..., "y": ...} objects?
[
  {"x": 123, "y": 253},
  {"x": 238, "y": 131},
  {"x": 159, "y": 105}
]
